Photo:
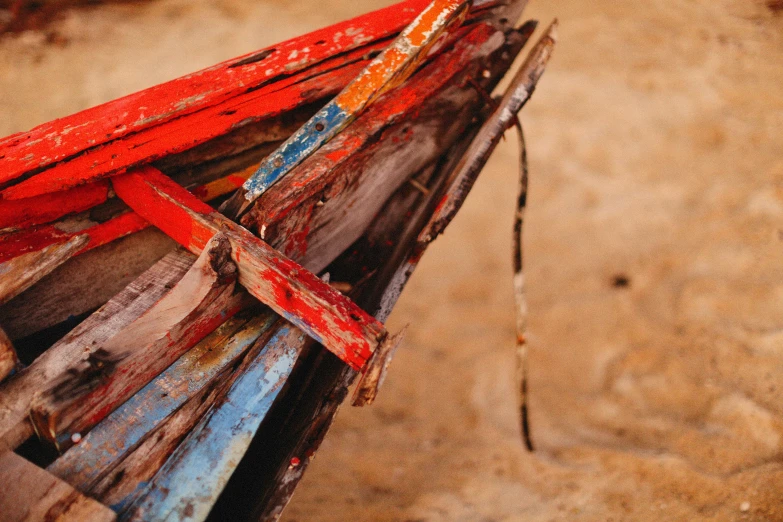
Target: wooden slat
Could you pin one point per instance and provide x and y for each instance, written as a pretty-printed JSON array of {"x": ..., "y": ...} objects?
[
  {"x": 29, "y": 494},
  {"x": 170, "y": 136},
  {"x": 20, "y": 273},
  {"x": 127, "y": 306},
  {"x": 84, "y": 283},
  {"x": 116, "y": 437},
  {"x": 190, "y": 481},
  {"x": 17, "y": 214},
  {"x": 286, "y": 287},
  {"x": 122, "y": 365}
]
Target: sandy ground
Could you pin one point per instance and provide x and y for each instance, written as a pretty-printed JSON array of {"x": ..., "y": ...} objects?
[{"x": 656, "y": 156}]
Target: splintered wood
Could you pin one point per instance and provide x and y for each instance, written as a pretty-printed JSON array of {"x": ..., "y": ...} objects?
[{"x": 108, "y": 376}]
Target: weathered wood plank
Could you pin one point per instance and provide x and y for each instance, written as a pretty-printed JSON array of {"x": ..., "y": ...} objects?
[
  {"x": 286, "y": 287},
  {"x": 29, "y": 493},
  {"x": 190, "y": 481},
  {"x": 127, "y": 306},
  {"x": 122, "y": 365},
  {"x": 84, "y": 283},
  {"x": 516, "y": 95},
  {"x": 20, "y": 273},
  {"x": 98, "y": 234},
  {"x": 63, "y": 138},
  {"x": 20, "y": 214},
  {"x": 111, "y": 441}
]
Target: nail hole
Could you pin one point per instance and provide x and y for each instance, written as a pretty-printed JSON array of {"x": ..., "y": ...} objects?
[
  {"x": 319, "y": 126},
  {"x": 320, "y": 42}
]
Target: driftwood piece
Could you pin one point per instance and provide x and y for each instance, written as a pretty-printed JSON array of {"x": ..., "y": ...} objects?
[
  {"x": 190, "y": 481},
  {"x": 286, "y": 287},
  {"x": 108, "y": 450},
  {"x": 29, "y": 493},
  {"x": 127, "y": 306},
  {"x": 20, "y": 273},
  {"x": 9, "y": 361},
  {"x": 122, "y": 365}
]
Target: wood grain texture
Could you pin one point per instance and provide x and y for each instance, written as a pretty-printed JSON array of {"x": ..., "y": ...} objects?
[
  {"x": 30, "y": 494},
  {"x": 17, "y": 392},
  {"x": 84, "y": 283},
  {"x": 119, "y": 367},
  {"x": 20, "y": 273},
  {"x": 190, "y": 481},
  {"x": 106, "y": 451},
  {"x": 280, "y": 283},
  {"x": 323, "y": 205}
]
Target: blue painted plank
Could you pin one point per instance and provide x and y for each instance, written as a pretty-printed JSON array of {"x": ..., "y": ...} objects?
[
  {"x": 188, "y": 484},
  {"x": 385, "y": 72},
  {"x": 121, "y": 431}
]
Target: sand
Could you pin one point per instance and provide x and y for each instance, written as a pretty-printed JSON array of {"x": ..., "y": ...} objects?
[{"x": 656, "y": 157}]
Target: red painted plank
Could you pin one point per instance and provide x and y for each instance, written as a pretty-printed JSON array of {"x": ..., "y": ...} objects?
[
  {"x": 65, "y": 137},
  {"x": 19, "y": 214},
  {"x": 286, "y": 287},
  {"x": 195, "y": 129},
  {"x": 32, "y": 240}
]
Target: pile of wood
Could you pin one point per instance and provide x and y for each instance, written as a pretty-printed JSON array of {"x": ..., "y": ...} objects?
[{"x": 161, "y": 361}]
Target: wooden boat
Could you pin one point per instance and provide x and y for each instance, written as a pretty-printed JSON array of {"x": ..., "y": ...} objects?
[{"x": 161, "y": 361}]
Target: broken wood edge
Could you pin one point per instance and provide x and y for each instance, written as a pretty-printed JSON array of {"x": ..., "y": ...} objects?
[
  {"x": 376, "y": 369},
  {"x": 124, "y": 308},
  {"x": 20, "y": 273},
  {"x": 109, "y": 374}
]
